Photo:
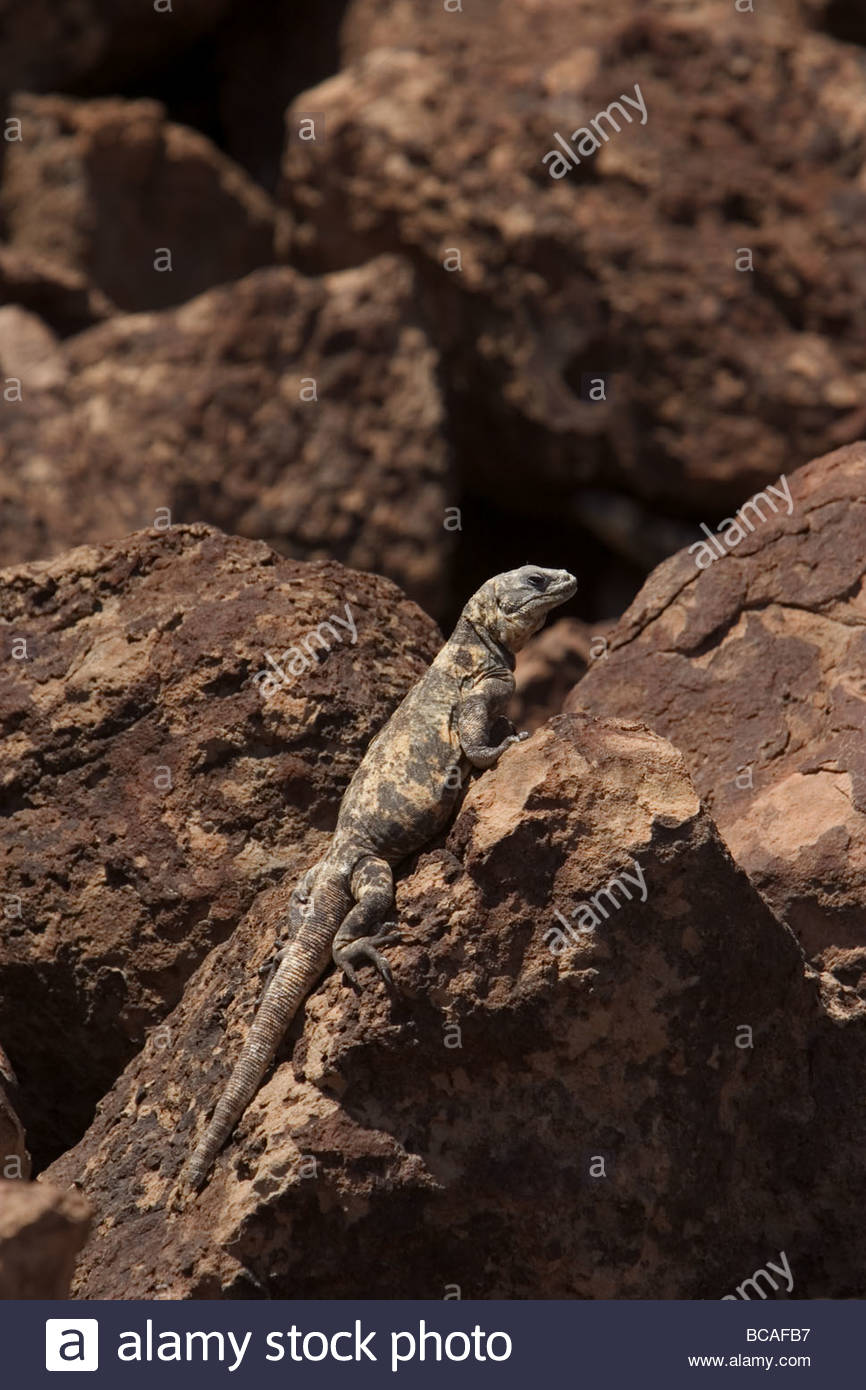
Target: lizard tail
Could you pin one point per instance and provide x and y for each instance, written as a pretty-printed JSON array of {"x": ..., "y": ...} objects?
[{"x": 285, "y": 994}]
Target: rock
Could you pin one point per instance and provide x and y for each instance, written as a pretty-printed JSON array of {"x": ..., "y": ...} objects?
[
  {"x": 208, "y": 411},
  {"x": 14, "y": 1158},
  {"x": 549, "y": 666},
  {"x": 150, "y": 792},
  {"x": 149, "y": 211},
  {"x": 64, "y": 299},
  {"x": 754, "y": 667},
  {"x": 716, "y": 377},
  {"x": 617, "y": 1119},
  {"x": 28, "y": 347},
  {"x": 61, "y": 43},
  {"x": 41, "y": 1231}
]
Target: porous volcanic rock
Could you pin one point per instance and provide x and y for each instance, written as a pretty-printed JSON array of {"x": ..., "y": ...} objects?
[
  {"x": 150, "y": 792},
  {"x": 149, "y": 211},
  {"x": 617, "y": 1118},
  {"x": 42, "y": 1230},
  {"x": 755, "y": 667},
  {"x": 303, "y": 412},
  {"x": 635, "y": 265},
  {"x": 62, "y": 43}
]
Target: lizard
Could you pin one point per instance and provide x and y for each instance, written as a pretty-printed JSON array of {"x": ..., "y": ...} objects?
[{"x": 403, "y": 792}]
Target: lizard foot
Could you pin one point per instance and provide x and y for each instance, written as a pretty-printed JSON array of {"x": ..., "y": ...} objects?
[{"x": 364, "y": 949}]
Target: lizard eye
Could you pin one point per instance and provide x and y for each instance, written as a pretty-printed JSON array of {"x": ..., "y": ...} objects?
[{"x": 537, "y": 581}]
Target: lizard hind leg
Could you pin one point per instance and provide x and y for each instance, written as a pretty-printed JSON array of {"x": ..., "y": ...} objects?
[{"x": 372, "y": 886}]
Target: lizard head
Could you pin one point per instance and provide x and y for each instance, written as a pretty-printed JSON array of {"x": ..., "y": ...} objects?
[{"x": 513, "y": 606}]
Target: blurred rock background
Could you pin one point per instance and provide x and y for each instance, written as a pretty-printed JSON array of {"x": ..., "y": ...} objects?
[{"x": 708, "y": 266}]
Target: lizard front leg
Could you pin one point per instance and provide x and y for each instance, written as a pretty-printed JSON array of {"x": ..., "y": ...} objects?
[
  {"x": 473, "y": 720},
  {"x": 372, "y": 886}
]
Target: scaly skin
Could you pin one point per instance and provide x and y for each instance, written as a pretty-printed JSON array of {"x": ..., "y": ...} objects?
[{"x": 403, "y": 793}]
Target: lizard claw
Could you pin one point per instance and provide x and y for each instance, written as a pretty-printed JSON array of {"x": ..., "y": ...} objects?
[{"x": 363, "y": 948}]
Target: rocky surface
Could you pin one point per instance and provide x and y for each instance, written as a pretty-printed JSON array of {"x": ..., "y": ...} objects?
[
  {"x": 549, "y": 666},
  {"x": 148, "y": 211},
  {"x": 42, "y": 1230},
  {"x": 64, "y": 299},
  {"x": 150, "y": 791},
  {"x": 528, "y": 1115},
  {"x": 754, "y": 667},
  {"x": 626, "y": 268},
  {"x": 306, "y": 412}
]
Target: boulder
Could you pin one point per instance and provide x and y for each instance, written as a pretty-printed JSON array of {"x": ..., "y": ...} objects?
[
  {"x": 303, "y": 412},
  {"x": 42, "y": 1230},
  {"x": 591, "y": 1080},
  {"x": 705, "y": 265},
  {"x": 149, "y": 211},
  {"x": 752, "y": 663},
  {"x": 152, "y": 787}
]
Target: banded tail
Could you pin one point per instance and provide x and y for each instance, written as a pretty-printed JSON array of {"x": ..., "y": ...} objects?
[{"x": 296, "y": 975}]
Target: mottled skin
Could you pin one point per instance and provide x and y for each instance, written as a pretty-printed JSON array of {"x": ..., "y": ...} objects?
[{"x": 404, "y": 791}]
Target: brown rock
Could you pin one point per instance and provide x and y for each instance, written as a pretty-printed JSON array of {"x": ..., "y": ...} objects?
[
  {"x": 64, "y": 299},
  {"x": 110, "y": 189},
  {"x": 29, "y": 348},
  {"x": 41, "y": 1232},
  {"x": 150, "y": 792},
  {"x": 456, "y": 1132},
  {"x": 754, "y": 667},
  {"x": 549, "y": 666},
  {"x": 57, "y": 43},
  {"x": 718, "y": 377},
  {"x": 208, "y": 411}
]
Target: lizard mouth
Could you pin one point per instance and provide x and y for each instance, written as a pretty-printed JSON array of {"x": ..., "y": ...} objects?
[{"x": 559, "y": 591}]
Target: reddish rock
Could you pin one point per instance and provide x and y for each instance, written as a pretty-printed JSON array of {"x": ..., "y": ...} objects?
[
  {"x": 41, "y": 1231},
  {"x": 718, "y": 378},
  {"x": 549, "y": 666},
  {"x": 150, "y": 212},
  {"x": 754, "y": 667},
  {"x": 208, "y": 411},
  {"x": 150, "y": 792},
  {"x": 613, "y": 1119}
]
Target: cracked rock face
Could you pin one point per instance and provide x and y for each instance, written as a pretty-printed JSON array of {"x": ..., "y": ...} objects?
[
  {"x": 515, "y": 1119},
  {"x": 303, "y": 412},
  {"x": 755, "y": 667},
  {"x": 150, "y": 792},
  {"x": 695, "y": 260}
]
